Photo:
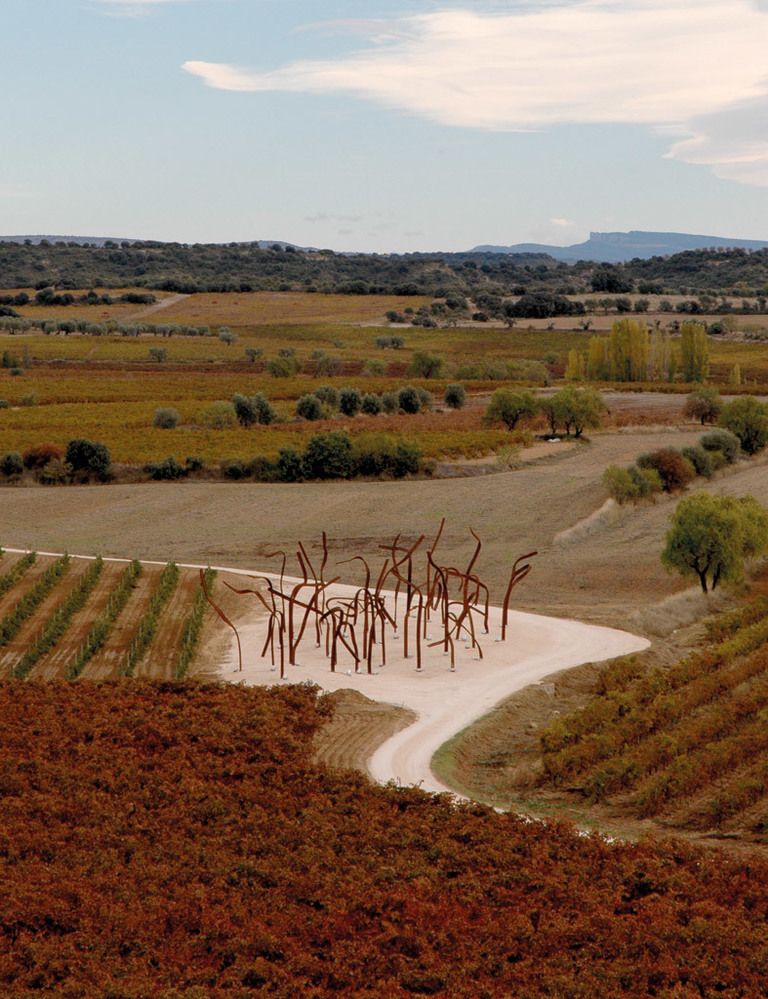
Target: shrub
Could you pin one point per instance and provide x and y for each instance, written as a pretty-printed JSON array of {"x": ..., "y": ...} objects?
[
  {"x": 283, "y": 367},
  {"x": 227, "y": 336},
  {"x": 674, "y": 470},
  {"x": 28, "y": 400},
  {"x": 265, "y": 414},
  {"x": 327, "y": 365},
  {"x": 350, "y": 401},
  {"x": 425, "y": 398},
  {"x": 4, "y": 404},
  {"x": 700, "y": 458},
  {"x": 309, "y": 407},
  {"x": 289, "y": 465},
  {"x": 703, "y": 404},
  {"x": 167, "y": 469},
  {"x": 370, "y": 404},
  {"x": 329, "y": 396},
  {"x": 455, "y": 396},
  {"x": 373, "y": 368},
  {"x": 389, "y": 402},
  {"x": 723, "y": 442},
  {"x": 219, "y": 415},
  {"x": 328, "y": 456},
  {"x": 194, "y": 464},
  {"x": 234, "y": 470},
  {"x": 425, "y": 365},
  {"x": 166, "y": 418},
  {"x": 158, "y": 354},
  {"x": 408, "y": 400},
  {"x": 646, "y": 480},
  {"x": 11, "y": 464},
  {"x": 620, "y": 484},
  {"x": 88, "y": 457},
  {"x": 262, "y": 469},
  {"x": 748, "y": 419},
  {"x": 39, "y": 456},
  {"x": 252, "y": 353},
  {"x": 381, "y": 454},
  {"x": 392, "y": 342}
]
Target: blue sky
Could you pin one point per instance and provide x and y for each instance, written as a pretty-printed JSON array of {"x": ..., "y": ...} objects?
[{"x": 377, "y": 125}]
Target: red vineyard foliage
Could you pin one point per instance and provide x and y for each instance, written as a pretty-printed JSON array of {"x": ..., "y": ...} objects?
[{"x": 175, "y": 840}]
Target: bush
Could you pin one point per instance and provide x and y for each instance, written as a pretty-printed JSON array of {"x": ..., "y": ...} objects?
[
  {"x": 327, "y": 365},
  {"x": 373, "y": 368},
  {"x": 703, "y": 404},
  {"x": 219, "y": 415},
  {"x": 194, "y": 464},
  {"x": 309, "y": 407},
  {"x": 262, "y": 469},
  {"x": 55, "y": 473},
  {"x": 265, "y": 414},
  {"x": 350, "y": 401},
  {"x": 370, "y": 404},
  {"x": 252, "y": 353},
  {"x": 166, "y": 418},
  {"x": 392, "y": 342},
  {"x": 620, "y": 484},
  {"x": 674, "y": 470},
  {"x": 748, "y": 419},
  {"x": 11, "y": 464},
  {"x": 455, "y": 396},
  {"x": 723, "y": 442},
  {"x": 167, "y": 469},
  {"x": 88, "y": 457},
  {"x": 39, "y": 456},
  {"x": 389, "y": 402},
  {"x": 4, "y": 404},
  {"x": 329, "y": 396},
  {"x": 381, "y": 454},
  {"x": 283, "y": 367},
  {"x": 425, "y": 398},
  {"x": 328, "y": 456},
  {"x": 408, "y": 400},
  {"x": 158, "y": 354},
  {"x": 646, "y": 480},
  {"x": 425, "y": 365},
  {"x": 700, "y": 458},
  {"x": 289, "y": 465},
  {"x": 234, "y": 470}
]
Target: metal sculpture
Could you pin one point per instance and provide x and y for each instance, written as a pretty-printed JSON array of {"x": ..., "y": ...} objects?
[{"x": 456, "y": 600}]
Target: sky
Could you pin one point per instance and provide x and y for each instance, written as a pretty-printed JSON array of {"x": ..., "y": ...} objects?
[{"x": 383, "y": 125}]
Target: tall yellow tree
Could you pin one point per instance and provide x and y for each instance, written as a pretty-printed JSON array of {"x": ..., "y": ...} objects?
[{"x": 694, "y": 352}]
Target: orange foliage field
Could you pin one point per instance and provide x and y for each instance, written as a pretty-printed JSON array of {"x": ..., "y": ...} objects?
[{"x": 176, "y": 840}]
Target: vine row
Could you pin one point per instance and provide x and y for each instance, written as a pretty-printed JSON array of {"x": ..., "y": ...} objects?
[
  {"x": 59, "y": 621},
  {"x": 12, "y": 622},
  {"x": 190, "y": 636},
  {"x": 148, "y": 624},
  {"x": 103, "y": 624}
]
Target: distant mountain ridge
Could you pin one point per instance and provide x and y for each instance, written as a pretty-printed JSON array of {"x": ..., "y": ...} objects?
[{"x": 618, "y": 247}]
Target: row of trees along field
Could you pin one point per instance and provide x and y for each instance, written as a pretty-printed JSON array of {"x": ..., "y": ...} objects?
[
  {"x": 250, "y": 267},
  {"x": 176, "y": 840},
  {"x": 633, "y": 353}
]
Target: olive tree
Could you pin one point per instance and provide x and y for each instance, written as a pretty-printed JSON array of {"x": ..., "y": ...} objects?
[
  {"x": 711, "y": 537},
  {"x": 509, "y": 407}
]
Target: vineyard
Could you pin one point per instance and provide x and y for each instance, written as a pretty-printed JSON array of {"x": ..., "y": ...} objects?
[
  {"x": 685, "y": 746},
  {"x": 175, "y": 840},
  {"x": 65, "y": 618}
]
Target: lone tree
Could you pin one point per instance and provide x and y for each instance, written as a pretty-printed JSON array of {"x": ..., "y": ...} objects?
[
  {"x": 712, "y": 536},
  {"x": 704, "y": 404}
]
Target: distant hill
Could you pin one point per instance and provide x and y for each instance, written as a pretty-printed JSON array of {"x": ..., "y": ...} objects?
[
  {"x": 619, "y": 247},
  {"x": 263, "y": 244}
]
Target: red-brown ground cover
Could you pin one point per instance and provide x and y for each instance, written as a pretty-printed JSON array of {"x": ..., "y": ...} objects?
[{"x": 176, "y": 841}]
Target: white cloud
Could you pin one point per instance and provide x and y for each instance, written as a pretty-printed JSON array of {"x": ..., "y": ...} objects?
[
  {"x": 648, "y": 62},
  {"x": 562, "y": 223}
]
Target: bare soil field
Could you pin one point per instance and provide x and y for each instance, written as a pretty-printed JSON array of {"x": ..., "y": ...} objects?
[{"x": 600, "y": 575}]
